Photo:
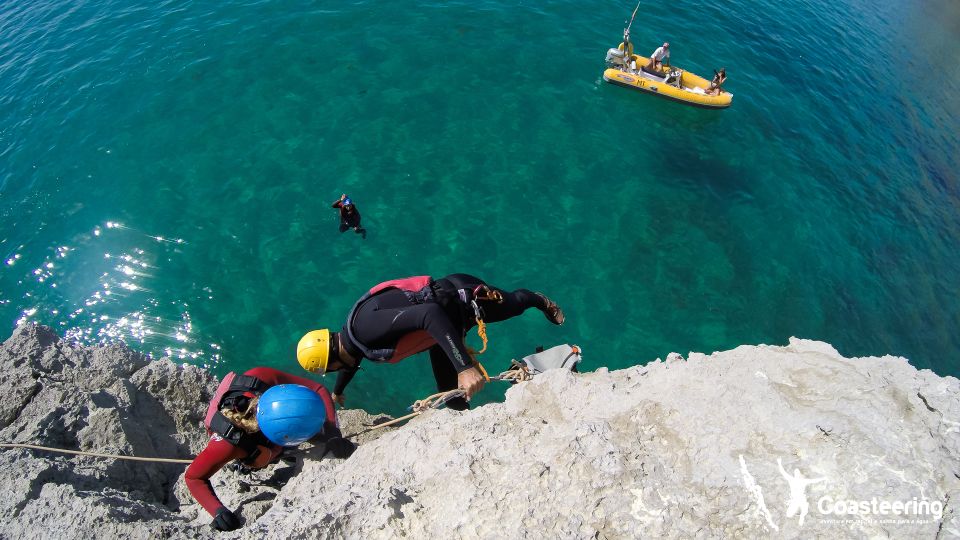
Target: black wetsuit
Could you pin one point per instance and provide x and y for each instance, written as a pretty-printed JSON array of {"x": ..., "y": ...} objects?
[
  {"x": 383, "y": 319},
  {"x": 348, "y": 219}
]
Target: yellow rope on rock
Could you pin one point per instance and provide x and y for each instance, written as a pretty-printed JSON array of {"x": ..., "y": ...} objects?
[{"x": 93, "y": 454}]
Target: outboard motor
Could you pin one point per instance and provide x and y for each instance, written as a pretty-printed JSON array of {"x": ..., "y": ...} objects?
[{"x": 616, "y": 58}]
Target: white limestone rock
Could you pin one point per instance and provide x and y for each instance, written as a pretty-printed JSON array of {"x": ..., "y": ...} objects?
[{"x": 678, "y": 448}]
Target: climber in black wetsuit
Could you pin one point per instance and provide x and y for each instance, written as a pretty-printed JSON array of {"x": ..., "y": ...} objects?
[{"x": 402, "y": 317}]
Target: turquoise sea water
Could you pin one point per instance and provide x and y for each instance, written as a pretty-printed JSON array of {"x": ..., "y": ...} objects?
[{"x": 166, "y": 171}]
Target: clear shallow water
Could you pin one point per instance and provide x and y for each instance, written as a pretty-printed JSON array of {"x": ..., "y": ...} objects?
[{"x": 166, "y": 171}]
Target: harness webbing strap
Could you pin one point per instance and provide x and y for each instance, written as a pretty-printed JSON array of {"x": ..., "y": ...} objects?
[
  {"x": 248, "y": 442},
  {"x": 248, "y": 383}
]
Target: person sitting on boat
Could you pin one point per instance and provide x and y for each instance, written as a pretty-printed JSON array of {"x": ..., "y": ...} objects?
[
  {"x": 659, "y": 56},
  {"x": 626, "y": 46},
  {"x": 719, "y": 77}
]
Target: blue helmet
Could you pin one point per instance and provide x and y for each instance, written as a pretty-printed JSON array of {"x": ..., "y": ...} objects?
[
  {"x": 347, "y": 201},
  {"x": 289, "y": 414}
]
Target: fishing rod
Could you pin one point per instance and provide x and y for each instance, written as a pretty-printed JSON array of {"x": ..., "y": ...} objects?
[{"x": 629, "y": 24}]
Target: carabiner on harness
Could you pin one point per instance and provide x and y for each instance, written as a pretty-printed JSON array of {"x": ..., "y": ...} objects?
[
  {"x": 477, "y": 312},
  {"x": 481, "y": 326},
  {"x": 483, "y": 292},
  {"x": 488, "y": 294}
]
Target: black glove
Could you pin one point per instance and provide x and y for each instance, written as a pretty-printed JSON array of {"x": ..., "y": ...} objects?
[
  {"x": 226, "y": 520},
  {"x": 239, "y": 468},
  {"x": 340, "y": 447}
]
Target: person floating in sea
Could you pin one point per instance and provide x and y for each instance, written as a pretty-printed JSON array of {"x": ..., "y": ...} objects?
[
  {"x": 349, "y": 215},
  {"x": 659, "y": 56},
  {"x": 402, "y": 317},
  {"x": 251, "y": 418},
  {"x": 719, "y": 77}
]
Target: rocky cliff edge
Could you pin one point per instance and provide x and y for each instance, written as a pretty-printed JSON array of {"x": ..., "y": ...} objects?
[{"x": 759, "y": 441}]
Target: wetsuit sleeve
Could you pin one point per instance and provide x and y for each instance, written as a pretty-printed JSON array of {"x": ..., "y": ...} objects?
[
  {"x": 343, "y": 379},
  {"x": 274, "y": 377},
  {"x": 337, "y": 204},
  {"x": 217, "y": 454}
]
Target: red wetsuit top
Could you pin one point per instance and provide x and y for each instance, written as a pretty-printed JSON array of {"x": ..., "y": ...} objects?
[{"x": 220, "y": 452}]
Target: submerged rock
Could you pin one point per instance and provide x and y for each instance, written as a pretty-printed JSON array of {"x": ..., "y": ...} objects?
[{"x": 701, "y": 446}]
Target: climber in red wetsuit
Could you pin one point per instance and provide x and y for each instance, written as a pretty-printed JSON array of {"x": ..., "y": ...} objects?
[{"x": 251, "y": 418}]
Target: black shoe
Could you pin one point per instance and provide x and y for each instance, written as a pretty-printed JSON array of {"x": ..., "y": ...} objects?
[{"x": 552, "y": 311}]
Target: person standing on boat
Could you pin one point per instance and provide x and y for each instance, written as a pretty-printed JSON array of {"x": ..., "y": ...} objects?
[
  {"x": 626, "y": 46},
  {"x": 659, "y": 56},
  {"x": 629, "y": 63}
]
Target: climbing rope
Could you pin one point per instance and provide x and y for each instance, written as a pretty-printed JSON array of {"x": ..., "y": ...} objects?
[
  {"x": 517, "y": 373},
  {"x": 383, "y": 425},
  {"x": 436, "y": 400},
  {"x": 482, "y": 332},
  {"x": 419, "y": 407},
  {"x": 482, "y": 292},
  {"x": 93, "y": 454}
]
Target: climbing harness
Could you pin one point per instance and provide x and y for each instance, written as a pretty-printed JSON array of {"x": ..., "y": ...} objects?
[
  {"x": 234, "y": 392},
  {"x": 420, "y": 290},
  {"x": 489, "y": 294}
]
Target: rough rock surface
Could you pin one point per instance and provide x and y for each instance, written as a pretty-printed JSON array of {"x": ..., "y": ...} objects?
[
  {"x": 696, "y": 447},
  {"x": 110, "y": 400}
]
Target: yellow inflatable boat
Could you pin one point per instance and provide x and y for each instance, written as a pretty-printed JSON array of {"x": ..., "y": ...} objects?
[{"x": 675, "y": 84}]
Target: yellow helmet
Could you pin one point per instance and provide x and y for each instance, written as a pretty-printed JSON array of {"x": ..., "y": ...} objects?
[{"x": 313, "y": 351}]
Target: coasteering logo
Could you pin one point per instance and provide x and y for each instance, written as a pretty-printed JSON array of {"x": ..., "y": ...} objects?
[
  {"x": 798, "y": 498},
  {"x": 835, "y": 510},
  {"x": 919, "y": 509}
]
